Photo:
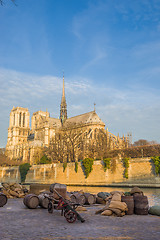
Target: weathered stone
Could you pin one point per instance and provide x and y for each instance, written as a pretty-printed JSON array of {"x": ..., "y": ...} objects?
[{"x": 140, "y": 173}]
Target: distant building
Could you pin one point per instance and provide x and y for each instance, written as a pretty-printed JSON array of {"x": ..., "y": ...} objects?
[{"x": 22, "y": 141}]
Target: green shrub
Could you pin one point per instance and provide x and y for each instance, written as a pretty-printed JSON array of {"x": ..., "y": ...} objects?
[
  {"x": 23, "y": 168},
  {"x": 156, "y": 161},
  {"x": 87, "y": 163},
  {"x": 107, "y": 163},
  {"x": 64, "y": 166},
  {"x": 113, "y": 165},
  {"x": 44, "y": 160},
  {"x": 76, "y": 167},
  {"x": 126, "y": 166}
]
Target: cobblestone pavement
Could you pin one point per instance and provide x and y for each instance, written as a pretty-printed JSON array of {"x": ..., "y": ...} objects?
[{"x": 20, "y": 223}]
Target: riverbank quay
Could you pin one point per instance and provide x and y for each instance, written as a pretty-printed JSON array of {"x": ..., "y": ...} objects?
[
  {"x": 141, "y": 172},
  {"x": 18, "y": 222}
]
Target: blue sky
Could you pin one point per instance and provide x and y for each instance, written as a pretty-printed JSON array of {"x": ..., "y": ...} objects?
[{"x": 109, "y": 52}]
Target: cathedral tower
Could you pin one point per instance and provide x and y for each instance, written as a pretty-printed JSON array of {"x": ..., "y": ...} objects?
[
  {"x": 18, "y": 130},
  {"x": 63, "y": 106}
]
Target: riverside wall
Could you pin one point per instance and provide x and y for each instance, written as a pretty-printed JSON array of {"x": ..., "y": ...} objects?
[
  {"x": 141, "y": 172},
  {"x": 9, "y": 174}
]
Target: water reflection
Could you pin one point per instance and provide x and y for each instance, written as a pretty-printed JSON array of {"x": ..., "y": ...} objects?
[{"x": 153, "y": 194}]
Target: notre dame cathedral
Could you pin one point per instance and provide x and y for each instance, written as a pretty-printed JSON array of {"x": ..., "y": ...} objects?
[{"x": 85, "y": 132}]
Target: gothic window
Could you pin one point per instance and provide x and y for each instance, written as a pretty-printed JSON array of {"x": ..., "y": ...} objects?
[
  {"x": 14, "y": 120},
  {"x": 20, "y": 117},
  {"x": 23, "y": 119},
  {"x": 95, "y": 133}
]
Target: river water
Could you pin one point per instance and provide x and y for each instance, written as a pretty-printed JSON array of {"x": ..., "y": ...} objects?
[{"x": 153, "y": 194}]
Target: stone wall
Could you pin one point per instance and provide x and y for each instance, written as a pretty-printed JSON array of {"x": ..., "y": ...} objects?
[
  {"x": 9, "y": 174},
  {"x": 141, "y": 172}
]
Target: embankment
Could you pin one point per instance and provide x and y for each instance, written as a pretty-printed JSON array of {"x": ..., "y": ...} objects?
[{"x": 140, "y": 172}]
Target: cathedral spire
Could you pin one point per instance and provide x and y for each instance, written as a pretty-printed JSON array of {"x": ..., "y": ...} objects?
[
  {"x": 63, "y": 106},
  {"x": 63, "y": 92}
]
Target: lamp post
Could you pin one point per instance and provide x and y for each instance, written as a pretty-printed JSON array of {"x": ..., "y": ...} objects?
[{"x": 142, "y": 152}]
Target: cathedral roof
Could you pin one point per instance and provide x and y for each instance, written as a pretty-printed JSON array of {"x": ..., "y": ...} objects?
[
  {"x": 84, "y": 119},
  {"x": 54, "y": 122}
]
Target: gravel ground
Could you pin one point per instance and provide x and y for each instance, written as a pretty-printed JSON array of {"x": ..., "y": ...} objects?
[{"x": 20, "y": 223}]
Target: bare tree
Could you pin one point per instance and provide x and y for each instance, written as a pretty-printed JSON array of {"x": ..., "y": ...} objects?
[
  {"x": 66, "y": 145},
  {"x": 143, "y": 142},
  {"x": 74, "y": 142},
  {"x": 153, "y": 142},
  {"x": 57, "y": 148},
  {"x": 38, "y": 154},
  {"x": 98, "y": 144},
  {"x": 77, "y": 143}
]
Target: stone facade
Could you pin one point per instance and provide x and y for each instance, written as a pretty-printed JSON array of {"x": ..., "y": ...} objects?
[
  {"x": 141, "y": 172},
  {"x": 23, "y": 142}
]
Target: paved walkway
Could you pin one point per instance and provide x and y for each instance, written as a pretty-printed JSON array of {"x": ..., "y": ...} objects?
[{"x": 20, "y": 223}]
